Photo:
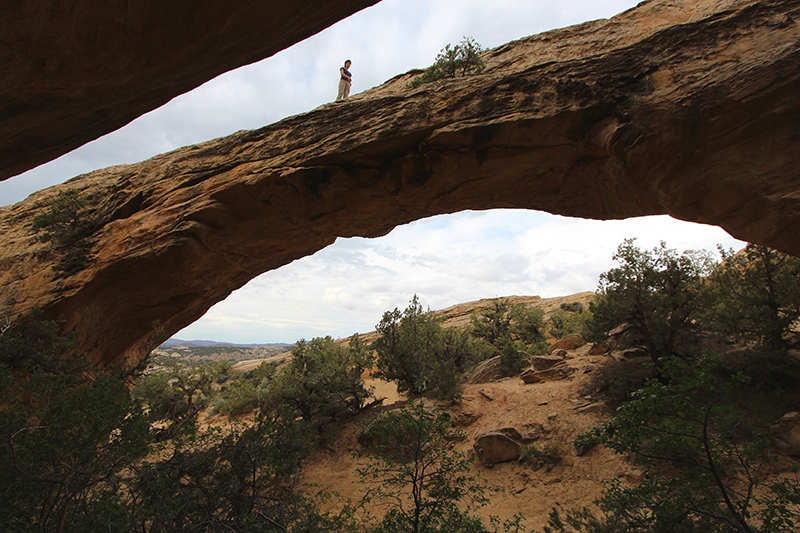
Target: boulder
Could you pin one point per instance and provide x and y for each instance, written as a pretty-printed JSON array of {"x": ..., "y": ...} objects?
[
  {"x": 570, "y": 342},
  {"x": 561, "y": 371},
  {"x": 599, "y": 348},
  {"x": 485, "y": 371},
  {"x": 496, "y": 447},
  {"x": 635, "y": 352},
  {"x": 543, "y": 362},
  {"x": 787, "y": 433}
]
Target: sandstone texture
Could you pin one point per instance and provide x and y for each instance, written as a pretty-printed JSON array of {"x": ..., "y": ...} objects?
[
  {"x": 74, "y": 71},
  {"x": 689, "y": 108}
]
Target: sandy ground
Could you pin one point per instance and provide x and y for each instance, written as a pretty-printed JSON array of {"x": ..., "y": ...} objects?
[{"x": 551, "y": 414}]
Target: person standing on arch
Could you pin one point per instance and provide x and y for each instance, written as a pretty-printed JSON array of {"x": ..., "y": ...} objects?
[{"x": 344, "y": 82}]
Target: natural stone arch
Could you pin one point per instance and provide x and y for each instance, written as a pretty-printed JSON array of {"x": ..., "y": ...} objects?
[{"x": 689, "y": 110}]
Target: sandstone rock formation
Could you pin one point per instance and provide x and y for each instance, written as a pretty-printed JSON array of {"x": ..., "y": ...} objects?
[
  {"x": 689, "y": 108},
  {"x": 74, "y": 71}
]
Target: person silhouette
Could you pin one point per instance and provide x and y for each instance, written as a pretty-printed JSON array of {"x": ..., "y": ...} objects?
[{"x": 345, "y": 81}]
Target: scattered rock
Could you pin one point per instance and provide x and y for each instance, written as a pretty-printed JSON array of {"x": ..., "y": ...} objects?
[
  {"x": 466, "y": 418},
  {"x": 485, "y": 372},
  {"x": 633, "y": 353},
  {"x": 599, "y": 348},
  {"x": 543, "y": 362},
  {"x": 561, "y": 371},
  {"x": 787, "y": 433},
  {"x": 496, "y": 448},
  {"x": 486, "y": 394},
  {"x": 588, "y": 368},
  {"x": 597, "y": 406},
  {"x": 570, "y": 342},
  {"x": 510, "y": 432},
  {"x": 551, "y": 416}
]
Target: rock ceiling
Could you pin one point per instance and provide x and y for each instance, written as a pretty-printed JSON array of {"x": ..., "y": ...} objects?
[{"x": 690, "y": 108}]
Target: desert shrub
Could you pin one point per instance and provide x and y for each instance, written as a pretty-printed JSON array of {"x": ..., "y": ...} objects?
[
  {"x": 703, "y": 473},
  {"x": 461, "y": 60},
  {"x": 566, "y": 321},
  {"x": 174, "y": 398},
  {"x": 419, "y": 355},
  {"x": 62, "y": 221},
  {"x": 68, "y": 432},
  {"x": 241, "y": 480},
  {"x": 657, "y": 298},
  {"x": 324, "y": 381},
  {"x": 418, "y": 475},
  {"x": 66, "y": 225},
  {"x": 539, "y": 454},
  {"x": 757, "y": 296},
  {"x": 514, "y": 331}
]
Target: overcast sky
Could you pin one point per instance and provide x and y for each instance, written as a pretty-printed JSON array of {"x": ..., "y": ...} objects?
[{"x": 445, "y": 260}]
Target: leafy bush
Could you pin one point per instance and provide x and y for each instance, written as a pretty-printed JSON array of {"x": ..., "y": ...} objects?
[
  {"x": 62, "y": 222},
  {"x": 757, "y": 296},
  {"x": 67, "y": 434},
  {"x": 514, "y": 331},
  {"x": 324, "y": 381},
  {"x": 461, "y": 60},
  {"x": 242, "y": 480},
  {"x": 657, "y": 298},
  {"x": 419, "y": 355},
  {"x": 176, "y": 397},
  {"x": 703, "y": 473},
  {"x": 566, "y": 321},
  {"x": 418, "y": 475}
]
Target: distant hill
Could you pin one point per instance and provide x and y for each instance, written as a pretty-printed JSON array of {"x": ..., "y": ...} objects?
[
  {"x": 169, "y": 343},
  {"x": 198, "y": 352}
]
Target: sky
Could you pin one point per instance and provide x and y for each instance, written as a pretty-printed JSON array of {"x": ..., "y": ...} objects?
[{"x": 445, "y": 260}]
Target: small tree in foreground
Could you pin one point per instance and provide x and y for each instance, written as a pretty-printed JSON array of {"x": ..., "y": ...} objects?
[
  {"x": 704, "y": 472},
  {"x": 417, "y": 475}
]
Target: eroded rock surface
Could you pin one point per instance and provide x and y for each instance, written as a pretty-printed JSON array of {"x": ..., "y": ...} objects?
[
  {"x": 689, "y": 108},
  {"x": 74, "y": 71}
]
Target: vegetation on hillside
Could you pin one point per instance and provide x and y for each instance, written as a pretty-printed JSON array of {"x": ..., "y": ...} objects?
[
  {"x": 457, "y": 61},
  {"x": 80, "y": 451}
]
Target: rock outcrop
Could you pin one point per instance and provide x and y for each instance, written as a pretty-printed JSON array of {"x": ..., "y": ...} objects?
[
  {"x": 74, "y": 71},
  {"x": 689, "y": 108}
]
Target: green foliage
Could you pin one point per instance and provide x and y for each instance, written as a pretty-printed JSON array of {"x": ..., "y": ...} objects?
[
  {"x": 419, "y": 355},
  {"x": 566, "y": 321},
  {"x": 244, "y": 392},
  {"x": 418, "y": 475},
  {"x": 28, "y": 343},
  {"x": 242, "y": 480},
  {"x": 461, "y": 60},
  {"x": 62, "y": 222},
  {"x": 514, "y": 331},
  {"x": 324, "y": 381},
  {"x": 67, "y": 433},
  {"x": 757, "y": 296},
  {"x": 177, "y": 396},
  {"x": 657, "y": 298},
  {"x": 704, "y": 473}
]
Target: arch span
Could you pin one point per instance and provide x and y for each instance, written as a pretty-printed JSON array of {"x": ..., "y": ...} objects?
[{"x": 689, "y": 110}]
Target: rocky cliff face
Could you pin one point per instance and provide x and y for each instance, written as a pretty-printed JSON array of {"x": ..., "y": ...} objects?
[
  {"x": 689, "y": 108},
  {"x": 74, "y": 71}
]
